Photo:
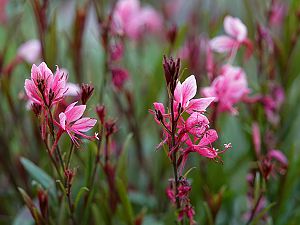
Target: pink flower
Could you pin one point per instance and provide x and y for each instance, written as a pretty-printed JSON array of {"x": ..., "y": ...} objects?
[
  {"x": 256, "y": 139},
  {"x": 116, "y": 51},
  {"x": 119, "y": 77},
  {"x": 132, "y": 20},
  {"x": 70, "y": 121},
  {"x": 44, "y": 88},
  {"x": 30, "y": 51},
  {"x": 277, "y": 13},
  {"x": 236, "y": 36},
  {"x": 228, "y": 88},
  {"x": 184, "y": 93},
  {"x": 3, "y": 14}
]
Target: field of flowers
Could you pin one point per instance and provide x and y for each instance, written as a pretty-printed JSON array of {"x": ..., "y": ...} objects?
[{"x": 150, "y": 112}]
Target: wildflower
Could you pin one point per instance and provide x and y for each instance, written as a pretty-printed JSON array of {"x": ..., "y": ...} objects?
[
  {"x": 274, "y": 162},
  {"x": 119, "y": 77},
  {"x": 70, "y": 121},
  {"x": 273, "y": 102},
  {"x": 116, "y": 51},
  {"x": 228, "y": 88},
  {"x": 44, "y": 88},
  {"x": 30, "y": 51},
  {"x": 277, "y": 13},
  {"x": 132, "y": 20},
  {"x": 237, "y": 36},
  {"x": 184, "y": 93}
]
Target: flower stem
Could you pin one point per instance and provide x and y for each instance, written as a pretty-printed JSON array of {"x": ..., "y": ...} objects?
[{"x": 173, "y": 144}]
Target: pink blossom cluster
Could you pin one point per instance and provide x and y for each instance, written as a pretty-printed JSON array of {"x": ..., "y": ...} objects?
[
  {"x": 132, "y": 20},
  {"x": 193, "y": 133},
  {"x": 186, "y": 129},
  {"x": 235, "y": 38},
  {"x": 184, "y": 190},
  {"x": 46, "y": 90},
  {"x": 229, "y": 88}
]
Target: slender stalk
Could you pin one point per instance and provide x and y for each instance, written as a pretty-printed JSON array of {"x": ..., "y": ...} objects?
[
  {"x": 70, "y": 155},
  {"x": 97, "y": 159},
  {"x": 254, "y": 209},
  {"x": 173, "y": 144}
]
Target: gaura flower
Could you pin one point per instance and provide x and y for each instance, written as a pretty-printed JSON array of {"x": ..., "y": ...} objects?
[
  {"x": 184, "y": 94},
  {"x": 44, "y": 88},
  {"x": 132, "y": 20},
  {"x": 30, "y": 51},
  {"x": 228, "y": 88},
  {"x": 236, "y": 36},
  {"x": 70, "y": 121}
]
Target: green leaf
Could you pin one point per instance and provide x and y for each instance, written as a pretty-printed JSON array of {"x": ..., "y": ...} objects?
[
  {"x": 208, "y": 213},
  {"x": 79, "y": 194},
  {"x": 23, "y": 217},
  {"x": 40, "y": 176},
  {"x": 262, "y": 213},
  {"x": 30, "y": 205},
  {"x": 123, "y": 159},
  {"x": 127, "y": 207}
]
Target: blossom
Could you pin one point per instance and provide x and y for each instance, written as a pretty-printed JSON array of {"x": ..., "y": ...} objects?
[
  {"x": 277, "y": 13},
  {"x": 236, "y": 36},
  {"x": 3, "y": 13},
  {"x": 119, "y": 77},
  {"x": 44, "y": 88},
  {"x": 184, "y": 94},
  {"x": 30, "y": 51},
  {"x": 228, "y": 88},
  {"x": 70, "y": 121},
  {"x": 132, "y": 20}
]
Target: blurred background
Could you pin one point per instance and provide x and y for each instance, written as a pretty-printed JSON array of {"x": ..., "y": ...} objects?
[{"x": 73, "y": 35}]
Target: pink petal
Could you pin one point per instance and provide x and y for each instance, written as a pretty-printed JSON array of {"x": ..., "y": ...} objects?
[
  {"x": 45, "y": 72},
  {"x": 206, "y": 152},
  {"x": 256, "y": 138},
  {"x": 223, "y": 44},
  {"x": 278, "y": 155},
  {"x": 159, "y": 106},
  {"x": 196, "y": 124},
  {"x": 235, "y": 28},
  {"x": 84, "y": 124},
  {"x": 189, "y": 89},
  {"x": 178, "y": 92},
  {"x": 199, "y": 105},
  {"x": 62, "y": 120},
  {"x": 71, "y": 106},
  {"x": 209, "y": 137},
  {"x": 32, "y": 91},
  {"x": 75, "y": 113},
  {"x": 30, "y": 51},
  {"x": 72, "y": 89}
]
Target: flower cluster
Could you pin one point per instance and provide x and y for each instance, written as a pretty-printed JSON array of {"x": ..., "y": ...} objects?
[
  {"x": 46, "y": 90},
  {"x": 235, "y": 38},
  {"x": 186, "y": 129},
  {"x": 229, "y": 88},
  {"x": 130, "y": 19}
]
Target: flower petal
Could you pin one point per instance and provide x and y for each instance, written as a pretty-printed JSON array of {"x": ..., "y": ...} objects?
[
  {"x": 75, "y": 113},
  {"x": 235, "y": 28},
  {"x": 84, "y": 124},
  {"x": 209, "y": 137},
  {"x": 62, "y": 120},
  {"x": 199, "y": 105},
  {"x": 223, "y": 44},
  {"x": 189, "y": 89}
]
